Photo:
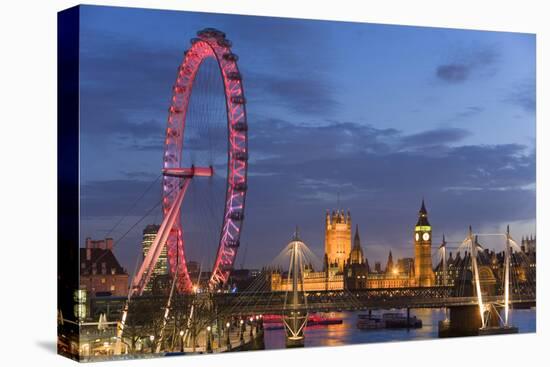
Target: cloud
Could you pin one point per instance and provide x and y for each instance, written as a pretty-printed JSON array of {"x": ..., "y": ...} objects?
[
  {"x": 435, "y": 137},
  {"x": 290, "y": 45},
  {"x": 453, "y": 72},
  {"x": 289, "y": 41},
  {"x": 467, "y": 63},
  {"x": 468, "y": 112},
  {"x": 126, "y": 83},
  {"x": 277, "y": 138},
  {"x": 372, "y": 159},
  {"x": 125, "y": 90},
  {"x": 524, "y": 96},
  {"x": 304, "y": 94}
]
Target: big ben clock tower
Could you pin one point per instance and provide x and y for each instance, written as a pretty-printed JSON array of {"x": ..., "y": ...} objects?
[{"x": 423, "y": 269}]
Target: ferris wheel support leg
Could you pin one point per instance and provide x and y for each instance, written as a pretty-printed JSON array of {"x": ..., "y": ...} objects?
[
  {"x": 144, "y": 273},
  {"x": 120, "y": 329},
  {"x": 166, "y": 313},
  {"x": 142, "y": 276}
]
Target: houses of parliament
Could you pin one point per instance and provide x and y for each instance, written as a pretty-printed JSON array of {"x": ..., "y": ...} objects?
[{"x": 346, "y": 266}]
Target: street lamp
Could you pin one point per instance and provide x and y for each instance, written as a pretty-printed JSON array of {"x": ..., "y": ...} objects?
[
  {"x": 242, "y": 331},
  {"x": 261, "y": 322},
  {"x": 181, "y": 341},
  {"x": 227, "y": 329},
  {"x": 219, "y": 331},
  {"x": 152, "y": 339},
  {"x": 208, "y": 341}
]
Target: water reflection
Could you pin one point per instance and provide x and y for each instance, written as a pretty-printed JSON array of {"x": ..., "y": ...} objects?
[{"x": 347, "y": 333}]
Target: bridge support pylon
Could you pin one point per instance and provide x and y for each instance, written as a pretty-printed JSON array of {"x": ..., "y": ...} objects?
[{"x": 295, "y": 313}]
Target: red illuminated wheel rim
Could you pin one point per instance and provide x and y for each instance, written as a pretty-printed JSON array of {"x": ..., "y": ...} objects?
[{"x": 210, "y": 43}]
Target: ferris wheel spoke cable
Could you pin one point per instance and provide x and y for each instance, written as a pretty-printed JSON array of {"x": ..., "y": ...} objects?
[
  {"x": 204, "y": 112},
  {"x": 121, "y": 238},
  {"x": 208, "y": 229},
  {"x": 134, "y": 204},
  {"x": 210, "y": 77},
  {"x": 203, "y": 216},
  {"x": 195, "y": 223},
  {"x": 201, "y": 220}
]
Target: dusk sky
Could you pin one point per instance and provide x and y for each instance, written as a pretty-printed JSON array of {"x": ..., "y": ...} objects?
[{"x": 384, "y": 115}]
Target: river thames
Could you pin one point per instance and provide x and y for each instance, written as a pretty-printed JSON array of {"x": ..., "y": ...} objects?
[{"x": 347, "y": 332}]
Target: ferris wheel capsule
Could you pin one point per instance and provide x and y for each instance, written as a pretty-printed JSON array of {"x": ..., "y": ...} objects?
[{"x": 231, "y": 57}]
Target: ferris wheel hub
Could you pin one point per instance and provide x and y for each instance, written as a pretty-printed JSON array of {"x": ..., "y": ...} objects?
[{"x": 189, "y": 172}]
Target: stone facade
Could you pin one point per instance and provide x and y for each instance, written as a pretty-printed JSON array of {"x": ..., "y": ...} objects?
[
  {"x": 338, "y": 238},
  {"x": 100, "y": 271},
  {"x": 313, "y": 281}
]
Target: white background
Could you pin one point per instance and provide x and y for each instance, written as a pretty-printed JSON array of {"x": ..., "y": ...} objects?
[{"x": 28, "y": 181}]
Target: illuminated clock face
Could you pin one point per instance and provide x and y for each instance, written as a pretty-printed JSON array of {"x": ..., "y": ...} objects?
[
  {"x": 426, "y": 236},
  {"x": 417, "y": 236}
]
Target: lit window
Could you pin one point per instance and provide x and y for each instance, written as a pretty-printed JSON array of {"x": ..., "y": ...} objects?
[{"x": 102, "y": 280}]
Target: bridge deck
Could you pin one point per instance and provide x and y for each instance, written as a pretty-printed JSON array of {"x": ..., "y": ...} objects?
[{"x": 418, "y": 297}]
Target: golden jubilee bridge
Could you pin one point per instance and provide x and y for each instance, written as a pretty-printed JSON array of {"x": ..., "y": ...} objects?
[
  {"x": 467, "y": 290},
  {"x": 517, "y": 285},
  {"x": 252, "y": 303}
]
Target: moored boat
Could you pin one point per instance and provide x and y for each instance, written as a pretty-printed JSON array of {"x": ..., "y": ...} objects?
[
  {"x": 389, "y": 320},
  {"x": 368, "y": 322}
]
